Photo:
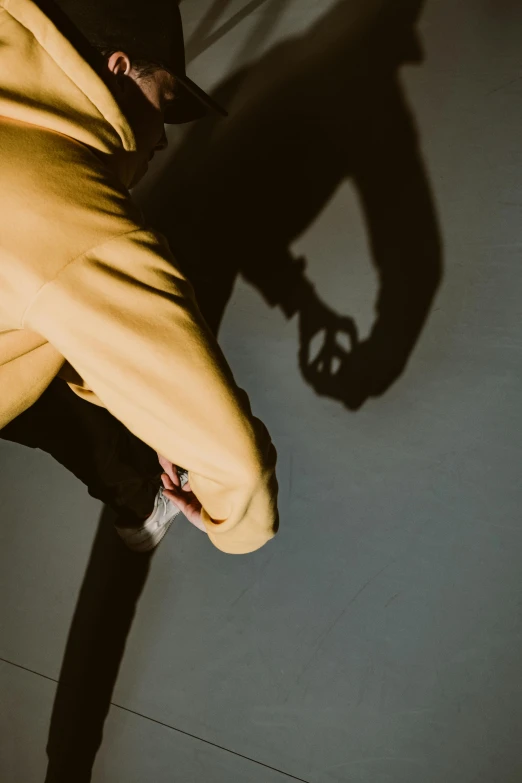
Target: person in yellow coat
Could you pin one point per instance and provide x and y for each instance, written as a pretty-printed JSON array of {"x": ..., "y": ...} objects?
[{"x": 105, "y": 360}]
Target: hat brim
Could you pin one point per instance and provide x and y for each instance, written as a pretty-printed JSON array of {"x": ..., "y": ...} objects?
[{"x": 191, "y": 103}]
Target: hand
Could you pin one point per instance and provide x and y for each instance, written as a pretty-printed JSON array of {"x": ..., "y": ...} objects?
[{"x": 182, "y": 497}]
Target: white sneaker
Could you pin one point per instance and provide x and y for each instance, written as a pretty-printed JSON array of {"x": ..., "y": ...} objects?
[{"x": 143, "y": 539}]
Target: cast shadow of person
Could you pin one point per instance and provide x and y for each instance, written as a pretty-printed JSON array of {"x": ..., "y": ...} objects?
[
  {"x": 313, "y": 112},
  {"x": 113, "y": 583}
]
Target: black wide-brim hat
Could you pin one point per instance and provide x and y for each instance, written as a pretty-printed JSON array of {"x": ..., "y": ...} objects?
[{"x": 149, "y": 30}]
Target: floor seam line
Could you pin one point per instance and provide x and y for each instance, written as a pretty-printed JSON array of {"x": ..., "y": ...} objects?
[
  {"x": 208, "y": 742},
  {"x": 31, "y": 671},
  {"x": 166, "y": 725}
]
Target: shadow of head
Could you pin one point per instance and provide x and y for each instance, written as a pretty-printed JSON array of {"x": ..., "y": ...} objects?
[{"x": 314, "y": 111}]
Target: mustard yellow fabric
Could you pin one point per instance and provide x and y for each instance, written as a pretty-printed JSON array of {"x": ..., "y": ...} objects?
[{"x": 87, "y": 291}]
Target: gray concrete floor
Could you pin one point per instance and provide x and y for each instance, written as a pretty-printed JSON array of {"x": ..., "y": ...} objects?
[{"x": 377, "y": 639}]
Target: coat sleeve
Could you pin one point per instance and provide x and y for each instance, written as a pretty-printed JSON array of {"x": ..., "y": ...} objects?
[{"x": 127, "y": 322}]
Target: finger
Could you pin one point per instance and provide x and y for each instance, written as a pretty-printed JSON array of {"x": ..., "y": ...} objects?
[
  {"x": 162, "y": 461},
  {"x": 165, "y": 463},
  {"x": 174, "y": 478},
  {"x": 185, "y": 508},
  {"x": 167, "y": 481},
  {"x": 187, "y": 488},
  {"x": 169, "y": 468},
  {"x": 178, "y": 501}
]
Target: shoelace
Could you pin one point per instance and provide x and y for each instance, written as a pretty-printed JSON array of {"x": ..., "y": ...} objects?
[
  {"x": 168, "y": 503},
  {"x": 165, "y": 501}
]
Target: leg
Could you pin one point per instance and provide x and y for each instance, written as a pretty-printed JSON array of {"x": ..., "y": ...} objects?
[{"x": 116, "y": 467}]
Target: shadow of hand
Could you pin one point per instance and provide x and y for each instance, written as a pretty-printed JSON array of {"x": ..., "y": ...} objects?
[
  {"x": 369, "y": 371},
  {"x": 336, "y": 363},
  {"x": 326, "y": 342}
]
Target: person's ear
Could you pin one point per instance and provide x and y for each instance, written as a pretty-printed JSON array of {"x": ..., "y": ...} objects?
[{"x": 119, "y": 64}]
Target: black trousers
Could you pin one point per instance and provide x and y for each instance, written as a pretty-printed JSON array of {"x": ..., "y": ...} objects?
[{"x": 116, "y": 467}]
